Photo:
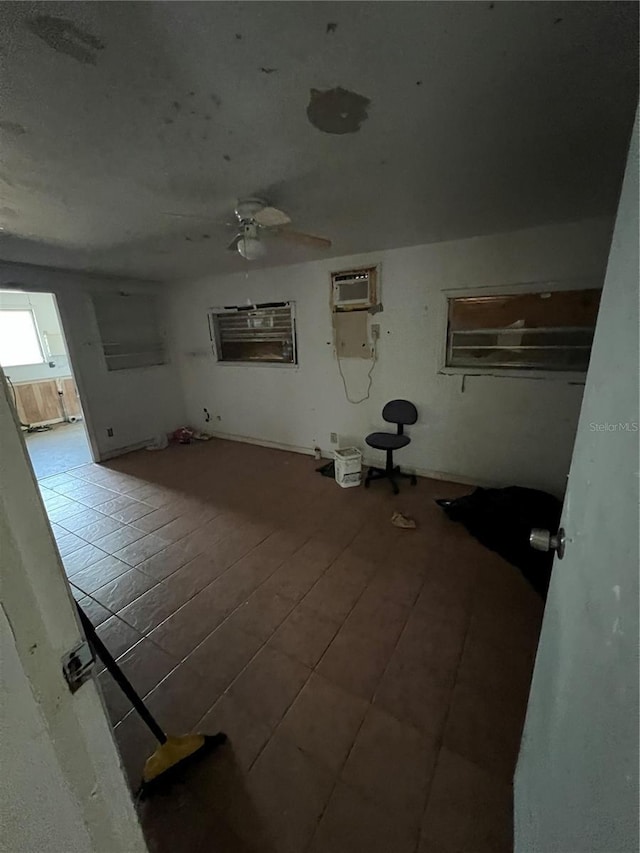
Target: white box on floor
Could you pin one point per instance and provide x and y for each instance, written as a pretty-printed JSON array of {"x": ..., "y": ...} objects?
[{"x": 348, "y": 465}]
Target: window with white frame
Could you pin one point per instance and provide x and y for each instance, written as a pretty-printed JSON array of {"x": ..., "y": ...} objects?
[
  {"x": 255, "y": 333},
  {"x": 19, "y": 339},
  {"x": 525, "y": 331}
]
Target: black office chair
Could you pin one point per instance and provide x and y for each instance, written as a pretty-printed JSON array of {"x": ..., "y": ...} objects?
[{"x": 398, "y": 412}]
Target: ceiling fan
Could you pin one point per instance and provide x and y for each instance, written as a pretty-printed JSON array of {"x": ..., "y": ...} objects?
[{"x": 254, "y": 216}]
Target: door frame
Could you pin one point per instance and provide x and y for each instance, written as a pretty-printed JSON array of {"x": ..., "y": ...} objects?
[{"x": 74, "y": 359}]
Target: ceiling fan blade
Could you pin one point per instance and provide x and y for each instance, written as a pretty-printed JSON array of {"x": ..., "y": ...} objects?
[
  {"x": 233, "y": 245},
  {"x": 304, "y": 239},
  {"x": 271, "y": 217}
]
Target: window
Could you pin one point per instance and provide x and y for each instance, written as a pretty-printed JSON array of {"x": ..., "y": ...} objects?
[
  {"x": 130, "y": 330},
  {"x": 255, "y": 333},
  {"x": 19, "y": 341},
  {"x": 527, "y": 331}
]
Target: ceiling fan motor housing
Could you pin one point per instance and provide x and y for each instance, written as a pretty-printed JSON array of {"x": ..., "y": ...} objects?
[
  {"x": 247, "y": 208},
  {"x": 249, "y": 230}
]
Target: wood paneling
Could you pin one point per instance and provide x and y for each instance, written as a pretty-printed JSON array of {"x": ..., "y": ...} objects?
[
  {"x": 71, "y": 399},
  {"x": 352, "y": 339},
  {"x": 39, "y": 402}
]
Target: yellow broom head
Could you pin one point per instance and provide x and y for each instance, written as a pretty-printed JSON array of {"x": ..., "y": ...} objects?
[{"x": 168, "y": 754}]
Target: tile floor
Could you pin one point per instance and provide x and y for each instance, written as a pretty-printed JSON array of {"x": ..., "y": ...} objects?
[
  {"x": 372, "y": 681},
  {"x": 62, "y": 447}
]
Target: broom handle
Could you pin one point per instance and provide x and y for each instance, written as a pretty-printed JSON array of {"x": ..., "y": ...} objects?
[{"x": 119, "y": 677}]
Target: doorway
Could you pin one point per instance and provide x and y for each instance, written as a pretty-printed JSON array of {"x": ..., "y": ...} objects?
[{"x": 35, "y": 359}]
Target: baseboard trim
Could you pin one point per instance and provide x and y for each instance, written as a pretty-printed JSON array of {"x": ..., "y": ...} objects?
[
  {"x": 121, "y": 451},
  {"x": 366, "y": 460},
  {"x": 263, "y": 442}
]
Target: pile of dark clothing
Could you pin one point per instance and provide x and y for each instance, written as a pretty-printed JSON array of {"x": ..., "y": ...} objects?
[{"x": 502, "y": 519}]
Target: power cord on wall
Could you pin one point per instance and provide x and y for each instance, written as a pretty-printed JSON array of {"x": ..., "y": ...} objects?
[{"x": 369, "y": 376}]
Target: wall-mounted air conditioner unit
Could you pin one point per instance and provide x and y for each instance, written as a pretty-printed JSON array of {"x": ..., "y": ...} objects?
[{"x": 354, "y": 290}]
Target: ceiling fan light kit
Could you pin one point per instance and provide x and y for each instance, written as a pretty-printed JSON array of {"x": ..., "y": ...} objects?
[{"x": 251, "y": 247}]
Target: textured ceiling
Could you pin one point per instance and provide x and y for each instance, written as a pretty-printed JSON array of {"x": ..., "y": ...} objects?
[{"x": 448, "y": 120}]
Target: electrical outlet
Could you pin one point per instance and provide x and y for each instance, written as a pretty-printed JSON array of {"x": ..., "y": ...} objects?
[
  {"x": 334, "y": 437},
  {"x": 110, "y": 432},
  {"x": 375, "y": 331}
]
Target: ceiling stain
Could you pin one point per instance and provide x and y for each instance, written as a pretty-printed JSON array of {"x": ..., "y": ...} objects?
[
  {"x": 226, "y": 157},
  {"x": 268, "y": 70},
  {"x": 238, "y": 36},
  {"x": 64, "y": 36},
  {"x": 337, "y": 110},
  {"x": 168, "y": 121},
  {"x": 331, "y": 27},
  {"x": 216, "y": 100},
  {"x": 13, "y": 127}
]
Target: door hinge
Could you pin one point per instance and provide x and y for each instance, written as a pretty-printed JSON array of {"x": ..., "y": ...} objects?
[{"x": 77, "y": 665}]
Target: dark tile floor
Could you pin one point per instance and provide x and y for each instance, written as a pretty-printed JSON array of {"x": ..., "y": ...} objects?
[{"x": 372, "y": 681}]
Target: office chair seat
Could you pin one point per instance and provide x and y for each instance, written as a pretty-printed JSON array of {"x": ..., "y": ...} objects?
[{"x": 387, "y": 440}]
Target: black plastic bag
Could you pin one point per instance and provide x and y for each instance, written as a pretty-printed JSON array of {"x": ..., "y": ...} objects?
[
  {"x": 327, "y": 470},
  {"x": 501, "y": 519}
]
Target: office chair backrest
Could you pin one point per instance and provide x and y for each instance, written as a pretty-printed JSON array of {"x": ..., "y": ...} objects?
[{"x": 400, "y": 412}]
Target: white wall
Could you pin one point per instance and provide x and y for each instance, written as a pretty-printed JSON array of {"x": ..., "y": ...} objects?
[
  {"x": 137, "y": 404},
  {"x": 496, "y": 430},
  {"x": 32, "y": 773},
  {"x": 48, "y": 327},
  {"x": 62, "y": 785}
]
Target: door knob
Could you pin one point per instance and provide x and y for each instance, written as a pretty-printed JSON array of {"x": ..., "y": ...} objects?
[{"x": 542, "y": 540}]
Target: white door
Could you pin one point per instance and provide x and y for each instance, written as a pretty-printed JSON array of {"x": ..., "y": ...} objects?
[{"x": 576, "y": 784}]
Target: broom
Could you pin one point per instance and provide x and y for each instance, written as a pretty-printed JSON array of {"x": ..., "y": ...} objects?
[{"x": 174, "y": 751}]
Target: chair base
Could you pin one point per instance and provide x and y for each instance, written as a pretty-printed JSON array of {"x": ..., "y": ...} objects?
[{"x": 391, "y": 472}]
